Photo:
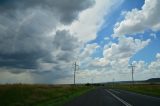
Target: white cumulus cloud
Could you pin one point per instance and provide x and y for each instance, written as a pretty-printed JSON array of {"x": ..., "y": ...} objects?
[{"x": 137, "y": 21}]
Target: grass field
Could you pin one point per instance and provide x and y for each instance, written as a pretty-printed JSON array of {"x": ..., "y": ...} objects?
[
  {"x": 148, "y": 89},
  {"x": 38, "y": 95}
]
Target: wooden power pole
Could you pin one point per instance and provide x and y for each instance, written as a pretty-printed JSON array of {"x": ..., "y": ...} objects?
[
  {"x": 132, "y": 67},
  {"x": 75, "y": 69}
]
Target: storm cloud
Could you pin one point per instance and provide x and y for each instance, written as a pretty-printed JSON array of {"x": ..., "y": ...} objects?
[
  {"x": 29, "y": 35},
  {"x": 65, "y": 10}
]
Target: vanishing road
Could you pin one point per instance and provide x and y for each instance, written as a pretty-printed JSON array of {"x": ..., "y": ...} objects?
[{"x": 110, "y": 97}]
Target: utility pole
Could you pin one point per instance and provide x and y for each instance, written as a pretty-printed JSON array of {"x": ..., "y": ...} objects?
[
  {"x": 132, "y": 66},
  {"x": 113, "y": 82},
  {"x": 75, "y": 68}
]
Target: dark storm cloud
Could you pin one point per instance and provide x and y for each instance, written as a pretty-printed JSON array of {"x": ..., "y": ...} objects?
[
  {"x": 18, "y": 60},
  {"x": 62, "y": 40},
  {"x": 64, "y": 47},
  {"x": 25, "y": 32},
  {"x": 66, "y": 10}
]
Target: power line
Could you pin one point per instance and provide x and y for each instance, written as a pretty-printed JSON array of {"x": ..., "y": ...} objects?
[
  {"x": 132, "y": 66},
  {"x": 75, "y": 69}
]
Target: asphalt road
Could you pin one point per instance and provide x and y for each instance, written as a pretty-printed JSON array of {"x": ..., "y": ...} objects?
[{"x": 109, "y": 97}]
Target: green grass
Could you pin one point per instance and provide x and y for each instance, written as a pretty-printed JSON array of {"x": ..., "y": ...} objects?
[
  {"x": 147, "y": 89},
  {"x": 38, "y": 95}
]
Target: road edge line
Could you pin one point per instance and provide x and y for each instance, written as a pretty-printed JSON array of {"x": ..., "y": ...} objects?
[
  {"x": 114, "y": 91},
  {"x": 137, "y": 93},
  {"x": 121, "y": 100}
]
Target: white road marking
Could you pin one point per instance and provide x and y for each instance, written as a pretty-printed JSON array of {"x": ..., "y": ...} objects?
[
  {"x": 140, "y": 94},
  {"x": 121, "y": 100},
  {"x": 114, "y": 91}
]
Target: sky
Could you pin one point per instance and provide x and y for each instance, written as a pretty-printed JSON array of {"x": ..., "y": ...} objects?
[{"x": 40, "y": 40}]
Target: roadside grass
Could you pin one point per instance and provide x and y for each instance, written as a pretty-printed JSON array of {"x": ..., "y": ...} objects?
[
  {"x": 38, "y": 95},
  {"x": 147, "y": 89}
]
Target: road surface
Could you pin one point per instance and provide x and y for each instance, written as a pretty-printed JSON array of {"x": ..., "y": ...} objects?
[{"x": 110, "y": 97}]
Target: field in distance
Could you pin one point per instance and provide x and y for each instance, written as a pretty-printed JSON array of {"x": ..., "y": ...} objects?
[{"x": 38, "y": 95}]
